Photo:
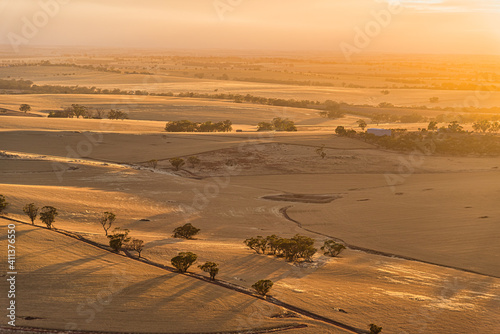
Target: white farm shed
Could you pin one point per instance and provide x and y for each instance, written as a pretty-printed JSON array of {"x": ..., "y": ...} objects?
[{"x": 379, "y": 132}]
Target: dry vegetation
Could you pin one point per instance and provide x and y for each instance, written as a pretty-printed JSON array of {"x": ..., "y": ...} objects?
[{"x": 421, "y": 228}]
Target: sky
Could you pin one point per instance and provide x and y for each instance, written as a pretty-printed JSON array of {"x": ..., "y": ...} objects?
[{"x": 352, "y": 26}]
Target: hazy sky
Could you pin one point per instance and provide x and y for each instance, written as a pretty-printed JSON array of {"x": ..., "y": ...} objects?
[{"x": 427, "y": 26}]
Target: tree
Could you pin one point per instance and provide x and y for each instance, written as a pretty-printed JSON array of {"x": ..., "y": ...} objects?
[
  {"x": 117, "y": 114},
  {"x": 283, "y": 124},
  {"x": 331, "y": 248},
  {"x": 24, "y": 107},
  {"x": 432, "y": 126},
  {"x": 193, "y": 161},
  {"x": 31, "y": 210},
  {"x": 183, "y": 261},
  {"x": 3, "y": 204},
  {"x": 362, "y": 124},
  {"x": 210, "y": 267},
  {"x": 118, "y": 238},
  {"x": 265, "y": 126},
  {"x": 107, "y": 219},
  {"x": 495, "y": 127},
  {"x": 482, "y": 126},
  {"x": 79, "y": 110},
  {"x": 177, "y": 163},
  {"x": 187, "y": 231},
  {"x": 258, "y": 244},
  {"x": 434, "y": 99},
  {"x": 374, "y": 329},
  {"x": 455, "y": 127},
  {"x": 340, "y": 130},
  {"x": 263, "y": 286},
  {"x": 48, "y": 215},
  {"x": 153, "y": 163},
  {"x": 136, "y": 245}
]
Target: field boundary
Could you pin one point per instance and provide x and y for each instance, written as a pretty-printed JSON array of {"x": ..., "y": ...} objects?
[{"x": 224, "y": 284}]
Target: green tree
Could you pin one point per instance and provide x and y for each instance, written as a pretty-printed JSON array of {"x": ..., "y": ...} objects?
[
  {"x": 193, "y": 161},
  {"x": 3, "y": 203},
  {"x": 210, "y": 267},
  {"x": 258, "y": 244},
  {"x": 31, "y": 210},
  {"x": 331, "y": 248},
  {"x": 265, "y": 126},
  {"x": 263, "y": 286},
  {"x": 362, "y": 124},
  {"x": 136, "y": 245},
  {"x": 374, "y": 329},
  {"x": 187, "y": 231},
  {"x": 48, "y": 215},
  {"x": 177, "y": 163},
  {"x": 79, "y": 110},
  {"x": 118, "y": 238},
  {"x": 107, "y": 219},
  {"x": 24, "y": 107},
  {"x": 183, "y": 261}
]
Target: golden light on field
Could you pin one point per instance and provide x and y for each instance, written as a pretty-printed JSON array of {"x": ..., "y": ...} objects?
[{"x": 423, "y": 26}]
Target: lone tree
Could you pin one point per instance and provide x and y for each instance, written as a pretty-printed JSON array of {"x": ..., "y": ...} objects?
[
  {"x": 31, "y": 210},
  {"x": 187, "y": 231},
  {"x": 210, "y": 267},
  {"x": 183, "y": 261},
  {"x": 374, "y": 329},
  {"x": 48, "y": 215},
  {"x": 193, "y": 161},
  {"x": 136, "y": 245},
  {"x": 432, "y": 126},
  {"x": 331, "y": 248},
  {"x": 362, "y": 124},
  {"x": 177, "y": 163},
  {"x": 107, "y": 219},
  {"x": 24, "y": 107},
  {"x": 3, "y": 204},
  {"x": 118, "y": 238},
  {"x": 263, "y": 286}
]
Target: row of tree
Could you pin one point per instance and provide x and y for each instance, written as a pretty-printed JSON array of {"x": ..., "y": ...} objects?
[
  {"x": 277, "y": 124},
  {"x": 208, "y": 126},
  {"x": 77, "y": 110},
  {"x": 294, "y": 249}
]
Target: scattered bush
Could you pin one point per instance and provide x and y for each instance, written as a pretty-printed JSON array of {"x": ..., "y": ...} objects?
[
  {"x": 187, "y": 231},
  {"x": 31, "y": 210},
  {"x": 183, "y": 261}
]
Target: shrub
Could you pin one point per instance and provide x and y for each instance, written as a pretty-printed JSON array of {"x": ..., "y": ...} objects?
[
  {"x": 374, "y": 329},
  {"x": 136, "y": 245},
  {"x": 24, "y": 107},
  {"x": 107, "y": 219},
  {"x": 187, "y": 231}
]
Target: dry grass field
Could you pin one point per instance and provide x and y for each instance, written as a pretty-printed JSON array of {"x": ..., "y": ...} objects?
[{"x": 437, "y": 226}]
